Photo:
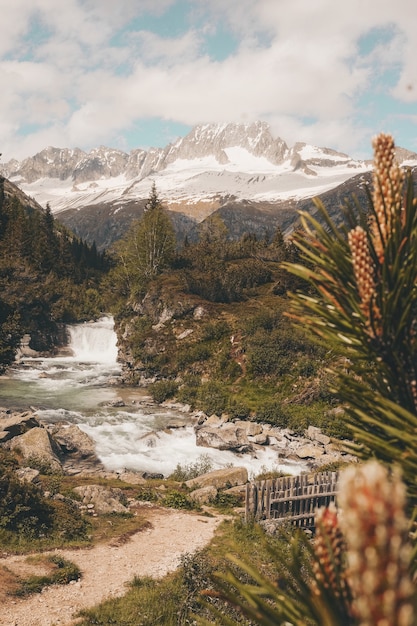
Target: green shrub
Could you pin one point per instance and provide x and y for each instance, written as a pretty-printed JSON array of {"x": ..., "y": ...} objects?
[
  {"x": 265, "y": 319},
  {"x": 214, "y": 331},
  {"x": 147, "y": 494},
  {"x": 68, "y": 522},
  {"x": 265, "y": 357},
  {"x": 23, "y": 509},
  {"x": 187, "y": 394},
  {"x": 226, "y": 501},
  {"x": 273, "y": 413},
  {"x": 212, "y": 398},
  {"x": 194, "y": 353},
  {"x": 227, "y": 368},
  {"x": 237, "y": 409},
  {"x": 177, "y": 500},
  {"x": 42, "y": 465},
  {"x": 306, "y": 367},
  {"x": 186, "y": 472},
  {"x": 163, "y": 390}
]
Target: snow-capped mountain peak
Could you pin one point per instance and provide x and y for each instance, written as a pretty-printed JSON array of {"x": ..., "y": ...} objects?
[{"x": 213, "y": 161}]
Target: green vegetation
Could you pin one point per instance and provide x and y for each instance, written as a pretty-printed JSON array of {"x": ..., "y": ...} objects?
[
  {"x": 146, "y": 250},
  {"x": 359, "y": 569},
  {"x": 182, "y": 473},
  {"x": 212, "y": 323},
  {"x": 62, "y": 572},
  {"x": 27, "y": 517}
]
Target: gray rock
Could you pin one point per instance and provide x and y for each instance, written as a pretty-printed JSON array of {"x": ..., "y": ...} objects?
[
  {"x": 152, "y": 475},
  {"x": 76, "y": 447},
  {"x": 228, "y": 477},
  {"x": 226, "y": 437},
  {"x": 239, "y": 491},
  {"x": 252, "y": 428},
  {"x": 199, "y": 312},
  {"x": 315, "y": 434},
  {"x": 309, "y": 451},
  {"x": 204, "y": 495},
  {"x": 36, "y": 445},
  {"x": 324, "y": 439},
  {"x": 28, "y": 475},
  {"x": 261, "y": 439},
  {"x": 15, "y": 424},
  {"x": 101, "y": 499}
]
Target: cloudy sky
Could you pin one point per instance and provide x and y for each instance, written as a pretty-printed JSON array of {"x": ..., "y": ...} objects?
[{"x": 140, "y": 73}]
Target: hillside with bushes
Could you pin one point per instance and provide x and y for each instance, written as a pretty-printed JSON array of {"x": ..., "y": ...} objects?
[
  {"x": 207, "y": 325},
  {"x": 48, "y": 276}
]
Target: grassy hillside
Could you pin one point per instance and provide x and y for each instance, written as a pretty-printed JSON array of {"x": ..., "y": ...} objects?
[{"x": 212, "y": 331}]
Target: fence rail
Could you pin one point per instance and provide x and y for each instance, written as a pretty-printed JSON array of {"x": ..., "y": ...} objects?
[{"x": 291, "y": 498}]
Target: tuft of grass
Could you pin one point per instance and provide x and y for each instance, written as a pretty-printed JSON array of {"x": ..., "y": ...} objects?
[
  {"x": 201, "y": 466},
  {"x": 62, "y": 573}
]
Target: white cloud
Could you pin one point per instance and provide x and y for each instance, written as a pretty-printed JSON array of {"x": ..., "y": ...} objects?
[
  {"x": 86, "y": 70},
  {"x": 169, "y": 51}
]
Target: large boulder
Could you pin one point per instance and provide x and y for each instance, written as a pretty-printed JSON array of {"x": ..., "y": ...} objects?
[
  {"x": 228, "y": 436},
  {"x": 204, "y": 495},
  {"x": 314, "y": 433},
  {"x": 36, "y": 446},
  {"x": 228, "y": 477},
  {"x": 309, "y": 451},
  {"x": 15, "y": 424},
  {"x": 77, "y": 449},
  {"x": 101, "y": 500}
]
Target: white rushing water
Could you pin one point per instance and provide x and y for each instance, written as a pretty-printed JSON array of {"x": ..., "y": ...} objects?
[
  {"x": 94, "y": 341},
  {"x": 76, "y": 389}
]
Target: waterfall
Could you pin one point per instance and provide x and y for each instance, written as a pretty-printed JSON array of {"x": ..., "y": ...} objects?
[{"x": 94, "y": 342}]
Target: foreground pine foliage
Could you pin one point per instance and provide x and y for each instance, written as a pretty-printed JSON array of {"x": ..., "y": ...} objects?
[
  {"x": 359, "y": 568},
  {"x": 365, "y": 274}
]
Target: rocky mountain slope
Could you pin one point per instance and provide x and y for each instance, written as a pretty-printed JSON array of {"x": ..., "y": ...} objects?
[{"x": 242, "y": 170}]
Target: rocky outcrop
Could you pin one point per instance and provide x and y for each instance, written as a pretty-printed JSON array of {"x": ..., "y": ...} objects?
[
  {"x": 59, "y": 447},
  {"x": 77, "y": 449},
  {"x": 205, "y": 488},
  {"x": 229, "y": 436},
  {"x": 15, "y": 424},
  {"x": 37, "y": 446},
  {"x": 28, "y": 475},
  {"x": 100, "y": 500},
  {"x": 313, "y": 449}
]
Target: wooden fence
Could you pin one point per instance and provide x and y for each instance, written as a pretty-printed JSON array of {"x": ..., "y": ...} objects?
[{"x": 291, "y": 498}]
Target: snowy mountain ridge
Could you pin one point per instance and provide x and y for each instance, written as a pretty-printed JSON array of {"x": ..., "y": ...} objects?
[{"x": 193, "y": 175}]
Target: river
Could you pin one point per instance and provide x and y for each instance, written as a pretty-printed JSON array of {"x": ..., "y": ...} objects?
[{"x": 79, "y": 386}]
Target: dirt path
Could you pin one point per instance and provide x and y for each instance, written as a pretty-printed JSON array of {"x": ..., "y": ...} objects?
[{"x": 107, "y": 568}]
